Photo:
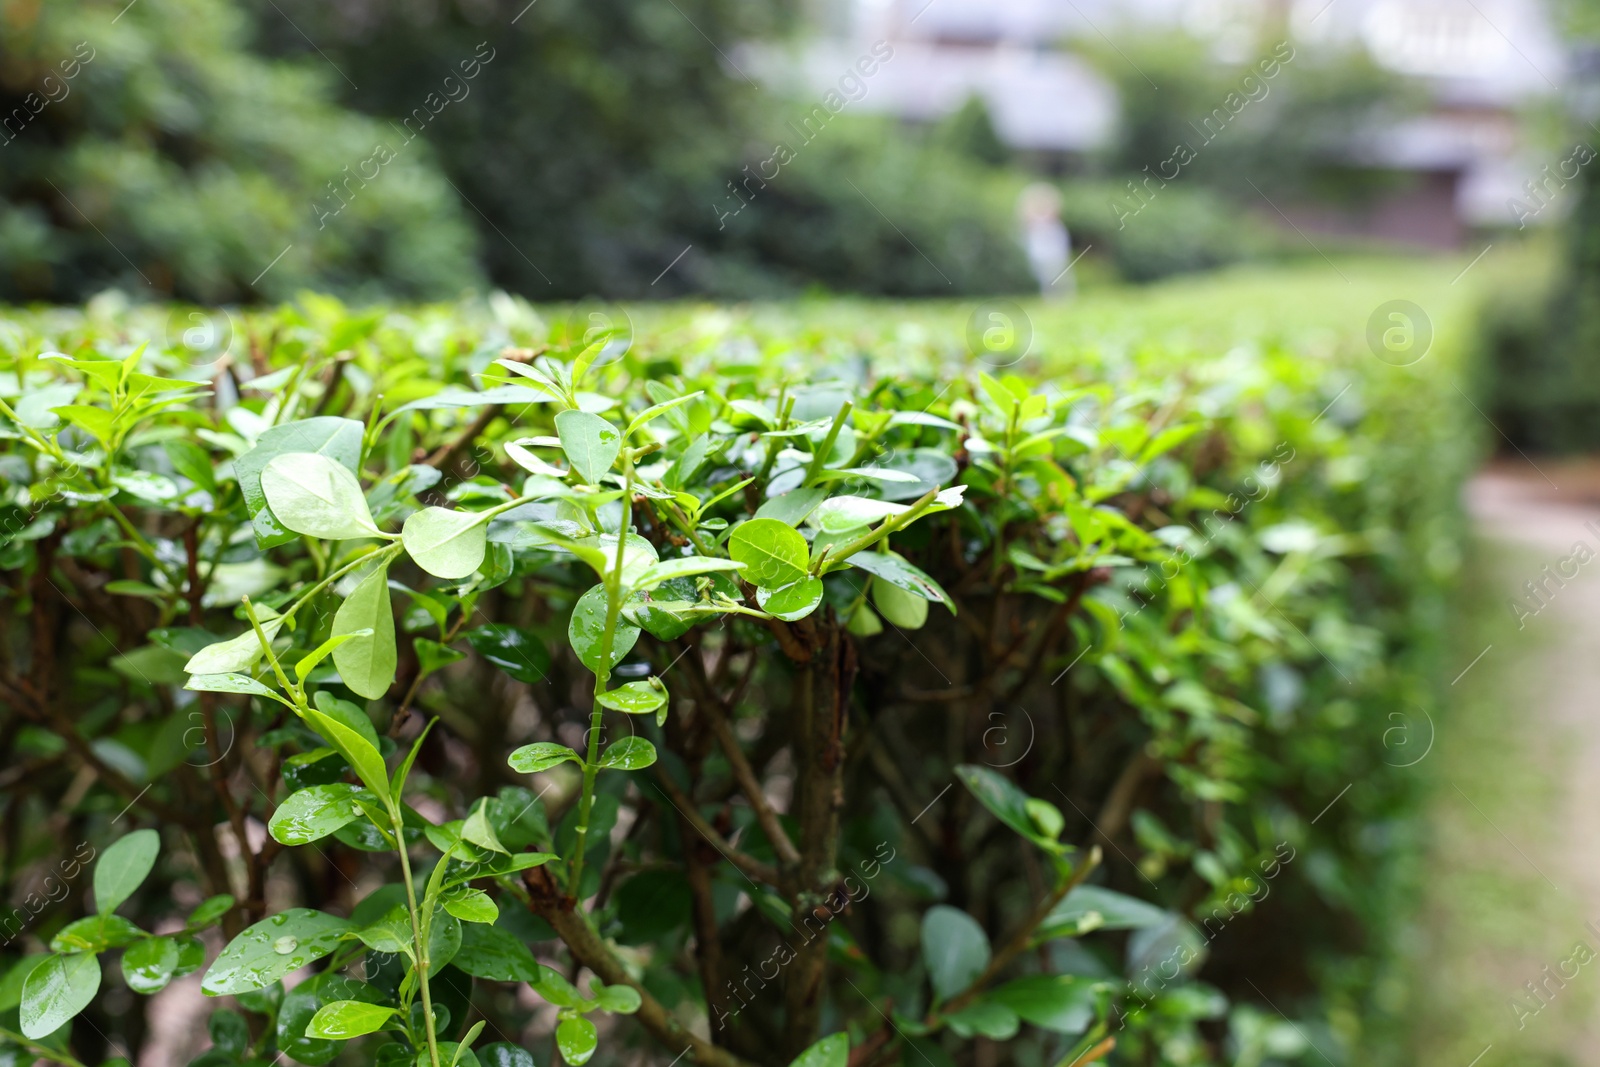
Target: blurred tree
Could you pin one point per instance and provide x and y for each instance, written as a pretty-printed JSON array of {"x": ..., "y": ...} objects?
[
  {"x": 602, "y": 141},
  {"x": 970, "y": 132},
  {"x": 141, "y": 146},
  {"x": 1541, "y": 336},
  {"x": 1278, "y": 118}
]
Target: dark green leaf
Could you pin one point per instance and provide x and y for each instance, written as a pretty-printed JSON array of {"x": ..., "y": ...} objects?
[
  {"x": 122, "y": 867},
  {"x": 513, "y": 649},
  {"x": 954, "y": 948}
]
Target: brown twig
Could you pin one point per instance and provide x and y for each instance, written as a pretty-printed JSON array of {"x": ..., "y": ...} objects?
[
  {"x": 716, "y": 714},
  {"x": 445, "y": 453},
  {"x": 1018, "y": 941},
  {"x": 587, "y": 947},
  {"x": 749, "y": 865}
]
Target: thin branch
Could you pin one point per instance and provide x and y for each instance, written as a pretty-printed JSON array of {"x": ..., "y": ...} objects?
[
  {"x": 752, "y": 867},
  {"x": 1018, "y": 943},
  {"x": 716, "y": 714},
  {"x": 550, "y": 904}
]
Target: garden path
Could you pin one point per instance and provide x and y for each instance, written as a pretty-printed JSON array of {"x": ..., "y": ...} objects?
[{"x": 1513, "y": 864}]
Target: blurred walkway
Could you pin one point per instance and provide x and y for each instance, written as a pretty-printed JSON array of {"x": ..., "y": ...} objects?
[{"x": 1507, "y": 968}]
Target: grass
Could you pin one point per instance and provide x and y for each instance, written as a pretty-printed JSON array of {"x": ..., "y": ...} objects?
[{"x": 1489, "y": 919}]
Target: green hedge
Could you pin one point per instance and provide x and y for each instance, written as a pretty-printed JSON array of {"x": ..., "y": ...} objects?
[{"x": 1134, "y": 699}]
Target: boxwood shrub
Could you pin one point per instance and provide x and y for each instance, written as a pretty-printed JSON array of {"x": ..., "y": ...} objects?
[{"x": 769, "y": 685}]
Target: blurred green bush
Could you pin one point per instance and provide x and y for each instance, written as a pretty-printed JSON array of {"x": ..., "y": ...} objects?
[
  {"x": 171, "y": 161},
  {"x": 607, "y": 136}
]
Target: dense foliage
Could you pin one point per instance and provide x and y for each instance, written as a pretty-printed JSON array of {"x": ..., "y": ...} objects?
[
  {"x": 772, "y": 687},
  {"x": 607, "y": 138},
  {"x": 150, "y": 149}
]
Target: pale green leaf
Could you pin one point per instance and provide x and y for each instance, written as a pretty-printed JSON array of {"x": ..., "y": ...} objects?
[
  {"x": 541, "y": 756},
  {"x": 629, "y": 754},
  {"x": 590, "y": 442},
  {"x": 316, "y": 496},
  {"x": 313, "y": 813},
  {"x": 367, "y": 663},
  {"x": 344, "y": 1019},
  {"x": 276, "y": 946},
  {"x": 634, "y": 698},
  {"x": 56, "y": 990},
  {"x": 447, "y": 544},
  {"x": 773, "y": 552}
]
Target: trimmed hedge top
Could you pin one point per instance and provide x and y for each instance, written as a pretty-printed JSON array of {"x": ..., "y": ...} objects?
[{"x": 745, "y": 594}]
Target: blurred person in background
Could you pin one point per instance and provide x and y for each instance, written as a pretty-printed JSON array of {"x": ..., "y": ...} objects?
[{"x": 1045, "y": 239}]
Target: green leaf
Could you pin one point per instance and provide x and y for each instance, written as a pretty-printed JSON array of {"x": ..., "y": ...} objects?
[
  {"x": 466, "y": 398},
  {"x": 840, "y": 513},
  {"x": 123, "y": 867},
  {"x": 688, "y": 567},
  {"x": 576, "y": 1038},
  {"x": 505, "y": 1054},
  {"x": 586, "y": 631},
  {"x": 792, "y": 507},
  {"x": 462, "y": 1054},
  {"x": 888, "y": 567},
  {"x": 541, "y": 756},
  {"x": 432, "y": 656},
  {"x": 831, "y": 1051},
  {"x": 314, "y": 813},
  {"x": 347, "y": 713},
  {"x": 477, "y": 830},
  {"x": 308, "y": 663},
  {"x": 774, "y": 553},
  {"x": 56, "y": 990},
  {"x": 1093, "y": 907},
  {"x": 634, "y": 698},
  {"x": 447, "y": 544},
  {"x": 367, "y": 664},
  {"x": 272, "y": 948},
  {"x": 97, "y": 422},
  {"x": 492, "y": 953},
  {"x": 1064, "y": 1003},
  {"x": 900, "y": 607},
  {"x": 338, "y": 439},
  {"x": 590, "y": 442},
  {"x": 994, "y": 1021},
  {"x": 316, "y": 496},
  {"x": 954, "y": 948},
  {"x": 95, "y": 934},
  {"x": 191, "y": 461},
  {"x": 210, "y": 910},
  {"x": 657, "y": 410},
  {"x": 617, "y": 999},
  {"x": 300, "y": 1006},
  {"x": 513, "y": 649},
  {"x": 148, "y": 965},
  {"x": 362, "y": 754},
  {"x": 1008, "y": 803},
  {"x": 553, "y": 986},
  {"x": 470, "y": 906},
  {"x": 791, "y": 602},
  {"x": 236, "y": 654},
  {"x": 629, "y": 754},
  {"x": 397, "y": 781},
  {"x": 231, "y": 683},
  {"x": 344, "y": 1019}
]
